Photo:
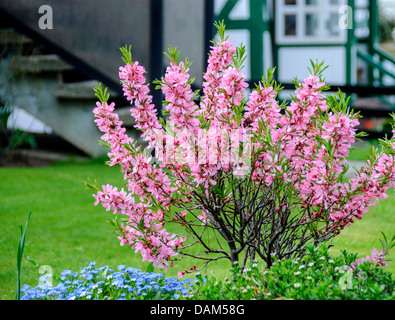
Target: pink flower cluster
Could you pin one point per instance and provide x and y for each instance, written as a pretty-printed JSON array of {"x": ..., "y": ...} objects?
[
  {"x": 143, "y": 230},
  {"x": 219, "y": 60},
  {"x": 262, "y": 106},
  {"x": 315, "y": 148},
  {"x": 142, "y": 177},
  {"x": 369, "y": 186},
  {"x": 109, "y": 123},
  {"x": 233, "y": 88},
  {"x": 377, "y": 259},
  {"x": 224, "y": 88},
  {"x": 178, "y": 94},
  {"x": 135, "y": 90}
]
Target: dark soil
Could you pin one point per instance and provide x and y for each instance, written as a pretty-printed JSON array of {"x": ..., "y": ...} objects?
[{"x": 23, "y": 160}]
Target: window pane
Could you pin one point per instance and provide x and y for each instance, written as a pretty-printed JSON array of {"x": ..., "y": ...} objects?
[
  {"x": 290, "y": 2},
  {"x": 331, "y": 24},
  {"x": 290, "y": 25},
  {"x": 334, "y": 2},
  {"x": 311, "y": 24},
  {"x": 311, "y": 2}
]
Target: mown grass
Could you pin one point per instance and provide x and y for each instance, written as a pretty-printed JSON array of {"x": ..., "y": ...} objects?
[{"x": 67, "y": 232}]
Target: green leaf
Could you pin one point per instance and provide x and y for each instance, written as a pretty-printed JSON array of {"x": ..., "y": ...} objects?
[
  {"x": 150, "y": 268},
  {"x": 221, "y": 29},
  {"x": 240, "y": 57},
  {"x": 21, "y": 247},
  {"x": 5, "y": 113},
  {"x": 91, "y": 185},
  {"x": 162, "y": 122},
  {"x": 105, "y": 273},
  {"x": 33, "y": 262},
  {"x": 127, "y": 54},
  {"x": 173, "y": 55},
  {"x": 101, "y": 94},
  {"x": 158, "y": 295}
]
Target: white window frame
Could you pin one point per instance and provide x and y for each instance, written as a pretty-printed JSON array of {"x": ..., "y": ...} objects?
[{"x": 301, "y": 10}]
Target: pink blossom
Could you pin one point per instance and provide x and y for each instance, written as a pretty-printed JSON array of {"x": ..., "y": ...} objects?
[
  {"x": 203, "y": 217},
  {"x": 178, "y": 94},
  {"x": 262, "y": 105},
  {"x": 377, "y": 258},
  {"x": 135, "y": 90}
]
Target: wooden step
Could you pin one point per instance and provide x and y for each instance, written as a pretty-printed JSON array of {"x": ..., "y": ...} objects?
[
  {"x": 82, "y": 90},
  {"x": 39, "y": 64},
  {"x": 12, "y": 38}
]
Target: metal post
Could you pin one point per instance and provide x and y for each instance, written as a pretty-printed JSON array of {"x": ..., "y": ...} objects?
[
  {"x": 256, "y": 26},
  {"x": 208, "y": 28},
  {"x": 350, "y": 60},
  {"x": 373, "y": 36},
  {"x": 275, "y": 47},
  {"x": 156, "y": 44}
]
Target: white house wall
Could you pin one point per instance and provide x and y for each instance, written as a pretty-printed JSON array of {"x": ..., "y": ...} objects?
[{"x": 295, "y": 61}]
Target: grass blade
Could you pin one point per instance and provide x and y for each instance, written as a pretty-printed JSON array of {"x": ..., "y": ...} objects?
[{"x": 21, "y": 247}]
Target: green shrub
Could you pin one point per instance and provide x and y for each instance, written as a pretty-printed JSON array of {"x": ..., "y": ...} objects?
[{"x": 317, "y": 276}]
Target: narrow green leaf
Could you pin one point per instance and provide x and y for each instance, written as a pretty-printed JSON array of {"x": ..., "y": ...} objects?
[
  {"x": 150, "y": 268},
  {"x": 21, "y": 247}
]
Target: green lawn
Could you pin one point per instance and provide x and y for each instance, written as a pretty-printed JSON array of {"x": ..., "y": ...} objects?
[{"x": 67, "y": 232}]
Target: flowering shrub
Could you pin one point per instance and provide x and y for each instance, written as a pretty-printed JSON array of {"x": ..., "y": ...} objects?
[
  {"x": 104, "y": 283},
  {"x": 316, "y": 276},
  {"x": 378, "y": 258},
  {"x": 246, "y": 179}
]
